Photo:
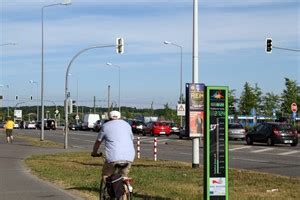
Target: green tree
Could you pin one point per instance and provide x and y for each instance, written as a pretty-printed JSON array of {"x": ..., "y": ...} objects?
[
  {"x": 289, "y": 95},
  {"x": 258, "y": 105},
  {"x": 247, "y": 100},
  {"x": 270, "y": 102}
]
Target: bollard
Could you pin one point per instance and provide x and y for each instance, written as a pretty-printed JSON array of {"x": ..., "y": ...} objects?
[
  {"x": 138, "y": 148},
  {"x": 155, "y": 149}
]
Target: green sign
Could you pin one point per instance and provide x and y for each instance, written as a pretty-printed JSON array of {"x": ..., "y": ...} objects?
[{"x": 216, "y": 143}]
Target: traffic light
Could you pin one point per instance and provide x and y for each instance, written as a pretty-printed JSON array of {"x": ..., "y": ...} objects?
[
  {"x": 269, "y": 45},
  {"x": 17, "y": 97},
  {"x": 120, "y": 45},
  {"x": 30, "y": 97}
]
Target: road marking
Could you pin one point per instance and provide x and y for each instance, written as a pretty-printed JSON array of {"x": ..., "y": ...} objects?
[
  {"x": 262, "y": 150},
  {"x": 251, "y": 160},
  {"x": 238, "y": 148},
  {"x": 185, "y": 153},
  {"x": 82, "y": 139},
  {"x": 288, "y": 153}
]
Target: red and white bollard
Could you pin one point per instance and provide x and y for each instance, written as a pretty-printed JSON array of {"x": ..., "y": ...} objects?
[
  {"x": 155, "y": 149},
  {"x": 138, "y": 148}
]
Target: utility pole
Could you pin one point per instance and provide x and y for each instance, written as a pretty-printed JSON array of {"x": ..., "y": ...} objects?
[
  {"x": 108, "y": 99},
  {"x": 94, "y": 104}
]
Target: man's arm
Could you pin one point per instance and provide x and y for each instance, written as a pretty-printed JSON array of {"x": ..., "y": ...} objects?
[{"x": 96, "y": 147}]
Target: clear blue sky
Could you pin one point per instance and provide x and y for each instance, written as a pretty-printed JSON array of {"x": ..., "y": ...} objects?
[{"x": 232, "y": 37}]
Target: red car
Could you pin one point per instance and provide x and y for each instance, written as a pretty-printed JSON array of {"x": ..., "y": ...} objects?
[{"x": 157, "y": 128}]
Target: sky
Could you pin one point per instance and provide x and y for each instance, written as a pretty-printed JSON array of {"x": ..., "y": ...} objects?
[{"x": 232, "y": 36}]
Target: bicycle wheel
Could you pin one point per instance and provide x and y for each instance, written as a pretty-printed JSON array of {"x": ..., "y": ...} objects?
[{"x": 103, "y": 195}]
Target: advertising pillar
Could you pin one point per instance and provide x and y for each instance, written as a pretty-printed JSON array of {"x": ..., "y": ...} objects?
[
  {"x": 216, "y": 143},
  {"x": 195, "y": 109}
]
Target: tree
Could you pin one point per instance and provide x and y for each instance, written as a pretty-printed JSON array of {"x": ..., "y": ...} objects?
[
  {"x": 289, "y": 95},
  {"x": 247, "y": 100},
  {"x": 258, "y": 99},
  {"x": 270, "y": 102}
]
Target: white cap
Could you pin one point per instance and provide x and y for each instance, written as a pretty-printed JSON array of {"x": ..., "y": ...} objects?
[{"x": 115, "y": 114}]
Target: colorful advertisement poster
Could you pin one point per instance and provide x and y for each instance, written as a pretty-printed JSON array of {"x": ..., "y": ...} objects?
[
  {"x": 196, "y": 123},
  {"x": 195, "y": 109}
]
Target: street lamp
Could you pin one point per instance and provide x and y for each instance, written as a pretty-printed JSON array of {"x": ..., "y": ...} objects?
[
  {"x": 65, "y": 2},
  {"x": 180, "y": 95},
  {"x": 37, "y": 94},
  {"x": 113, "y": 65},
  {"x": 7, "y": 86}
]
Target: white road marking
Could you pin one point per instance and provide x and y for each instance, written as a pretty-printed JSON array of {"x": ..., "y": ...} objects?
[
  {"x": 262, "y": 150},
  {"x": 83, "y": 140},
  {"x": 251, "y": 160},
  {"x": 238, "y": 148},
  {"x": 288, "y": 153}
]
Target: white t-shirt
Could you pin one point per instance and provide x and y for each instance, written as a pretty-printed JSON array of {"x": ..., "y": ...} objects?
[{"x": 118, "y": 138}]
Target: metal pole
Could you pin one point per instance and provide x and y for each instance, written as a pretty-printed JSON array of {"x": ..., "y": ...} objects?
[
  {"x": 42, "y": 71},
  {"x": 196, "y": 140},
  {"x": 67, "y": 95},
  {"x": 42, "y": 80},
  {"x": 108, "y": 99},
  {"x": 119, "y": 88},
  {"x": 77, "y": 103}
]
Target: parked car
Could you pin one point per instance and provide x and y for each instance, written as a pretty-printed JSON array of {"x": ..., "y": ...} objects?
[
  {"x": 157, "y": 128},
  {"x": 173, "y": 127},
  {"x": 273, "y": 133},
  {"x": 2, "y": 124},
  {"x": 98, "y": 124},
  {"x": 74, "y": 126},
  {"x": 137, "y": 126},
  {"x": 48, "y": 124},
  {"x": 182, "y": 133},
  {"x": 30, "y": 125},
  {"x": 236, "y": 131}
]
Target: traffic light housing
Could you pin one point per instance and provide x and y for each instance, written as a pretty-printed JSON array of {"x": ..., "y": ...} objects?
[
  {"x": 269, "y": 45},
  {"x": 120, "y": 45}
]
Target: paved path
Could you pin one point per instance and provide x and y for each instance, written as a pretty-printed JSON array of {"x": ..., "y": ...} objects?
[{"x": 16, "y": 182}]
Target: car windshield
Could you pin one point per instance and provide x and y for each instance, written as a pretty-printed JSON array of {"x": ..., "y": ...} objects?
[
  {"x": 284, "y": 127},
  {"x": 235, "y": 126}
]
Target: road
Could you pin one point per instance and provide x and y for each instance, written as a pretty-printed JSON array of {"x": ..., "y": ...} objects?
[{"x": 278, "y": 159}]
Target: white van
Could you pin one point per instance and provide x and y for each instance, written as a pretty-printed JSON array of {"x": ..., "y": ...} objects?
[{"x": 89, "y": 120}]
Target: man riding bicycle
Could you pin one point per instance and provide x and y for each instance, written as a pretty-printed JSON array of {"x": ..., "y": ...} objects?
[{"x": 118, "y": 138}]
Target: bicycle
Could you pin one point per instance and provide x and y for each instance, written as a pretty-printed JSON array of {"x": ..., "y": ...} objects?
[{"x": 103, "y": 190}]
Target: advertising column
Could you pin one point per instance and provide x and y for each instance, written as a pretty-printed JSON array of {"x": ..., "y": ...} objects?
[
  {"x": 216, "y": 143},
  {"x": 195, "y": 109}
]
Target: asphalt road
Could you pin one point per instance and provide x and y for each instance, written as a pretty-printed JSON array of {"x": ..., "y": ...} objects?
[{"x": 278, "y": 159}]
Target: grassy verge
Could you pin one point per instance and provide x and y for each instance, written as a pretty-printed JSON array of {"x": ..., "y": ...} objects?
[
  {"x": 158, "y": 180},
  {"x": 37, "y": 142}
]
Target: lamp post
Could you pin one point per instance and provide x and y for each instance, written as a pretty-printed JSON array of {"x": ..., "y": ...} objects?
[
  {"x": 7, "y": 86},
  {"x": 65, "y": 2},
  {"x": 113, "y": 65},
  {"x": 37, "y": 94},
  {"x": 180, "y": 94}
]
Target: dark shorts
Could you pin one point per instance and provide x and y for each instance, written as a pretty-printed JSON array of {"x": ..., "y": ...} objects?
[{"x": 8, "y": 132}]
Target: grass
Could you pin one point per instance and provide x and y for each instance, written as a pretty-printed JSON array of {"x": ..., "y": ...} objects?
[
  {"x": 158, "y": 180},
  {"x": 37, "y": 142}
]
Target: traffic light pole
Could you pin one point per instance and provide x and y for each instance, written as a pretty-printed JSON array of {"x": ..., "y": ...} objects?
[
  {"x": 287, "y": 49},
  {"x": 67, "y": 94}
]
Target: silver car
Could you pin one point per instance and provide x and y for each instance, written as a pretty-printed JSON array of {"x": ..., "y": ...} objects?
[{"x": 236, "y": 131}]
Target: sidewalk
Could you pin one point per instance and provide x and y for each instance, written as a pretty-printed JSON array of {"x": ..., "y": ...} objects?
[{"x": 16, "y": 182}]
